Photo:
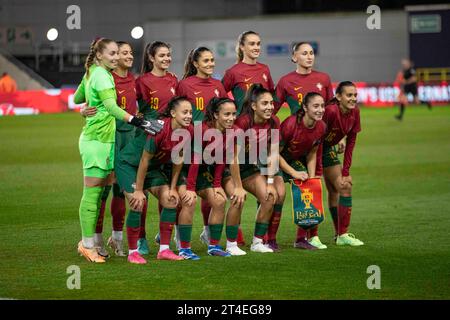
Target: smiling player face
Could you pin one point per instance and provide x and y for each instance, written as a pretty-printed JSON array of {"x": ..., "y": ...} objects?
[
  {"x": 162, "y": 58},
  {"x": 348, "y": 98},
  {"x": 263, "y": 107},
  {"x": 109, "y": 57},
  {"x": 182, "y": 114},
  {"x": 125, "y": 57},
  {"x": 315, "y": 108},
  {"x": 226, "y": 116},
  {"x": 304, "y": 56},
  {"x": 205, "y": 64},
  {"x": 251, "y": 47}
]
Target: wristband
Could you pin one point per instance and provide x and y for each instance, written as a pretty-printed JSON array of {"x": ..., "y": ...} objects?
[{"x": 269, "y": 180}]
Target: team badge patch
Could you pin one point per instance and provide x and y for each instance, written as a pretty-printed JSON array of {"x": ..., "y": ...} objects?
[
  {"x": 264, "y": 77},
  {"x": 319, "y": 86},
  {"x": 307, "y": 203},
  {"x": 172, "y": 90},
  {"x": 217, "y": 92}
]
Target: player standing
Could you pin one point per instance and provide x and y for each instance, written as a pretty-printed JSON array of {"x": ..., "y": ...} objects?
[
  {"x": 247, "y": 70},
  {"x": 199, "y": 87},
  {"x": 155, "y": 87},
  {"x": 301, "y": 137},
  {"x": 97, "y": 139},
  {"x": 408, "y": 86},
  {"x": 292, "y": 87}
]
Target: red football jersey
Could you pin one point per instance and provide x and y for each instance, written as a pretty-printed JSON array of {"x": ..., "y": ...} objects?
[
  {"x": 126, "y": 92},
  {"x": 161, "y": 144},
  {"x": 292, "y": 88},
  {"x": 126, "y": 97},
  {"x": 154, "y": 93},
  {"x": 262, "y": 131},
  {"x": 340, "y": 125},
  {"x": 219, "y": 168},
  {"x": 297, "y": 140},
  {"x": 241, "y": 76},
  {"x": 199, "y": 92}
]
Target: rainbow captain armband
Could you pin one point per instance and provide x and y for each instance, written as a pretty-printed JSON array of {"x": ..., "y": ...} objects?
[{"x": 307, "y": 202}]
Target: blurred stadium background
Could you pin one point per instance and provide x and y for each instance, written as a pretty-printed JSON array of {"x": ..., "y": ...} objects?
[{"x": 345, "y": 47}]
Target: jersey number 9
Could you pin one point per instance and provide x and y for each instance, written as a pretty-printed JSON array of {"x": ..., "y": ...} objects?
[
  {"x": 300, "y": 98},
  {"x": 123, "y": 103}
]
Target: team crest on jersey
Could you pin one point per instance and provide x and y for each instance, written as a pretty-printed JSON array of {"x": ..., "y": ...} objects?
[
  {"x": 217, "y": 92},
  {"x": 264, "y": 77},
  {"x": 319, "y": 86},
  {"x": 172, "y": 90}
]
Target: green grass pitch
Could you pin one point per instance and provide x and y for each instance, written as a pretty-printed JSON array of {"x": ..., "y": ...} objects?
[{"x": 401, "y": 201}]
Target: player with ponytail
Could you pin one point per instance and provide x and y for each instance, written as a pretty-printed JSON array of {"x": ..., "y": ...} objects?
[{"x": 97, "y": 139}]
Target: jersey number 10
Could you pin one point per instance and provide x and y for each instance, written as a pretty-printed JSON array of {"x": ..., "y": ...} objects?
[{"x": 200, "y": 103}]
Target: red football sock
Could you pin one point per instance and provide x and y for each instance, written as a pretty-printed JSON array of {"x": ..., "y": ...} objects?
[
  {"x": 165, "y": 232},
  {"x": 118, "y": 213},
  {"x": 133, "y": 237},
  {"x": 273, "y": 225},
  {"x": 142, "y": 233},
  {"x": 301, "y": 233},
  {"x": 313, "y": 232},
  {"x": 206, "y": 210},
  {"x": 240, "y": 237},
  {"x": 99, "y": 226},
  {"x": 344, "y": 218}
]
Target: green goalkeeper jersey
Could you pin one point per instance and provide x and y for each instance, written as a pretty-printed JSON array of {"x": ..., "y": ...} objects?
[{"x": 98, "y": 87}]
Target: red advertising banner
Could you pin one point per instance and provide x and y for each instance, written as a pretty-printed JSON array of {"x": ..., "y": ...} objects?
[
  {"x": 386, "y": 95},
  {"x": 36, "y": 101},
  {"x": 61, "y": 100}
]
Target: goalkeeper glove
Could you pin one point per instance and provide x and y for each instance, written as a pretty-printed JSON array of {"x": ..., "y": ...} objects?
[{"x": 150, "y": 126}]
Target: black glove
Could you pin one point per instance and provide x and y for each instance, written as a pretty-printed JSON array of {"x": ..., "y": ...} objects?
[{"x": 150, "y": 126}]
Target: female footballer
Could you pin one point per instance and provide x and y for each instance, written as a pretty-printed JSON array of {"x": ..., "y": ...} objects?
[
  {"x": 294, "y": 86},
  {"x": 247, "y": 69},
  {"x": 205, "y": 174},
  {"x": 342, "y": 120},
  {"x": 257, "y": 119},
  {"x": 97, "y": 139},
  {"x": 154, "y": 171},
  {"x": 154, "y": 88},
  {"x": 199, "y": 87},
  {"x": 244, "y": 73},
  {"x": 301, "y": 137}
]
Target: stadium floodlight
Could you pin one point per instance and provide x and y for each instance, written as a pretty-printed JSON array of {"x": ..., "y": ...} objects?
[
  {"x": 137, "y": 32},
  {"x": 52, "y": 34}
]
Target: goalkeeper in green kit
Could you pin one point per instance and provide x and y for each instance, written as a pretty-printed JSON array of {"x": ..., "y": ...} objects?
[{"x": 97, "y": 139}]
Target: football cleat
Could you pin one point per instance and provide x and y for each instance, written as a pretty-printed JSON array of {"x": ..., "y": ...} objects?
[
  {"x": 143, "y": 246},
  {"x": 168, "y": 255},
  {"x": 258, "y": 246},
  {"x": 348, "y": 239},
  {"x": 236, "y": 251},
  {"x": 187, "y": 254},
  {"x": 136, "y": 258},
  {"x": 304, "y": 244},
  {"x": 315, "y": 241},
  {"x": 216, "y": 250},
  {"x": 116, "y": 245},
  {"x": 91, "y": 255}
]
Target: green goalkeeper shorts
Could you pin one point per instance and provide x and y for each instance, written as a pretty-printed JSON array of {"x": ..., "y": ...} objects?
[{"x": 97, "y": 157}]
